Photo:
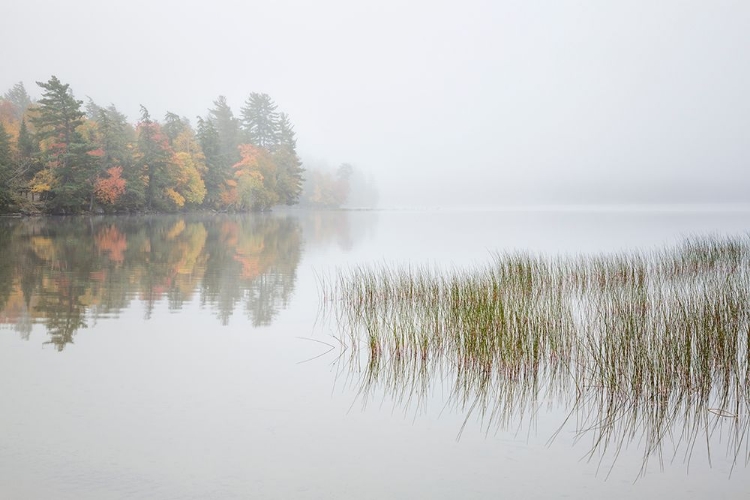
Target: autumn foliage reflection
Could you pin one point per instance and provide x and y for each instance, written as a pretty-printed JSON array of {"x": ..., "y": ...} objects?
[{"x": 67, "y": 273}]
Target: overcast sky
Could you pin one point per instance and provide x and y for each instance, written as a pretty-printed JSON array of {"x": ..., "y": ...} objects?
[{"x": 466, "y": 102}]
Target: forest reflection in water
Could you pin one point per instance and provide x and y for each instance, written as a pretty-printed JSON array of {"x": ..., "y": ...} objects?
[
  {"x": 645, "y": 349},
  {"x": 66, "y": 273}
]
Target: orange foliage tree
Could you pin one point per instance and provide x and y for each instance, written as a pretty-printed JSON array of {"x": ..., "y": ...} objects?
[
  {"x": 254, "y": 184},
  {"x": 108, "y": 189}
]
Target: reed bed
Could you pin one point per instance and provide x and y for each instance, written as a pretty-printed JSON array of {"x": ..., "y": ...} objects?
[{"x": 650, "y": 347}]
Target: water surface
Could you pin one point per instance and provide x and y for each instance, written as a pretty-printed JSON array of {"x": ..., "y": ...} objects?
[{"x": 185, "y": 357}]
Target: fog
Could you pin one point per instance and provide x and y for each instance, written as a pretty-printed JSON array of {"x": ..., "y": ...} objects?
[{"x": 443, "y": 103}]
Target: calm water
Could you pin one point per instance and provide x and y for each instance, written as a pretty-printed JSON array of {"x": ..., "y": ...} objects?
[{"x": 185, "y": 357}]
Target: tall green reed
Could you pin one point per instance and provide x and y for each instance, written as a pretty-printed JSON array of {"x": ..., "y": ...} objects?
[{"x": 649, "y": 347}]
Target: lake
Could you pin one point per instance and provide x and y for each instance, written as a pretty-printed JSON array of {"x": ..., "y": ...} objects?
[{"x": 191, "y": 357}]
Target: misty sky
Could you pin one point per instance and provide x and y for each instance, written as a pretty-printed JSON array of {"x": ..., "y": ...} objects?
[{"x": 444, "y": 103}]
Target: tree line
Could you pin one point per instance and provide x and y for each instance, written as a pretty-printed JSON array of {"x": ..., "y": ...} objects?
[{"x": 60, "y": 156}]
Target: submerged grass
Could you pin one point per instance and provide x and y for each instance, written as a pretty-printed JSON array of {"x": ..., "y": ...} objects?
[{"x": 648, "y": 347}]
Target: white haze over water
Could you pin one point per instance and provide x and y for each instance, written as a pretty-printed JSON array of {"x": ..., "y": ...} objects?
[{"x": 471, "y": 103}]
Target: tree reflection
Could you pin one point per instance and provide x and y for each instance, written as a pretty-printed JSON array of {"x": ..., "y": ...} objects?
[
  {"x": 254, "y": 264},
  {"x": 66, "y": 273}
]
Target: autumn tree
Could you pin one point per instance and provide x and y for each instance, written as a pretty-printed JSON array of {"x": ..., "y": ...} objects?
[
  {"x": 109, "y": 187},
  {"x": 118, "y": 140},
  {"x": 186, "y": 186},
  {"x": 254, "y": 184},
  {"x": 113, "y": 138},
  {"x": 260, "y": 121}
]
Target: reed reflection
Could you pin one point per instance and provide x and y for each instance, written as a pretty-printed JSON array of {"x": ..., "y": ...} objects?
[
  {"x": 643, "y": 349},
  {"x": 66, "y": 273}
]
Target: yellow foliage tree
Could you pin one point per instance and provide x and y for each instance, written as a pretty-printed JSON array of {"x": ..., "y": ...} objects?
[{"x": 254, "y": 183}]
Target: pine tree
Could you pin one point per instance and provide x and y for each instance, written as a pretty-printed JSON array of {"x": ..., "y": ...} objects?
[
  {"x": 6, "y": 171},
  {"x": 59, "y": 115},
  {"x": 93, "y": 110},
  {"x": 59, "y": 112},
  {"x": 217, "y": 171},
  {"x": 20, "y": 99},
  {"x": 228, "y": 129},
  {"x": 260, "y": 121},
  {"x": 27, "y": 143},
  {"x": 27, "y": 147},
  {"x": 174, "y": 126},
  {"x": 154, "y": 157},
  {"x": 286, "y": 135},
  {"x": 289, "y": 167}
]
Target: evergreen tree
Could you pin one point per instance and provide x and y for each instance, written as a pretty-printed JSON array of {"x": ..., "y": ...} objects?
[
  {"x": 70, "y": 165},
  {"x": 217, "y": 171},
  {"x": 59, "y": 112},
  {"x": 228, "y": 129},
  {"x": 27, "y": 143},
  {"x": 174, "y": 126},
  {"x": 6, "y": 171},
  {"x": 260, "y": 121},
  {"x": 20, "y": 99},
  {"x": 289, "y": 167},
  {"x": 27, "y": 147},
  {"x": 154, "y": 157},
  {"x": 286, "y": 135},
  {"x": 93, "y": 110}
]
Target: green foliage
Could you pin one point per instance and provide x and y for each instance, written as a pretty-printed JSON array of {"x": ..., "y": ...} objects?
[
  {"x": 6, "y": 170},
  {"x": 174, "y": 126},
  {"x": 59, "y": 112},
  {"x": 28, "y": 145},
  {"x": 228, "y": 130},
  {"x": 67, "y": 153},
  {"x": 288, "y": 175},
  {"x": 28, "y": 156},
  {"x": 285, "y": 136},
  {"x": 260, "y": 121},
  {"x": 154, "y": 156},
  {"x": 217, "y": 171}
]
